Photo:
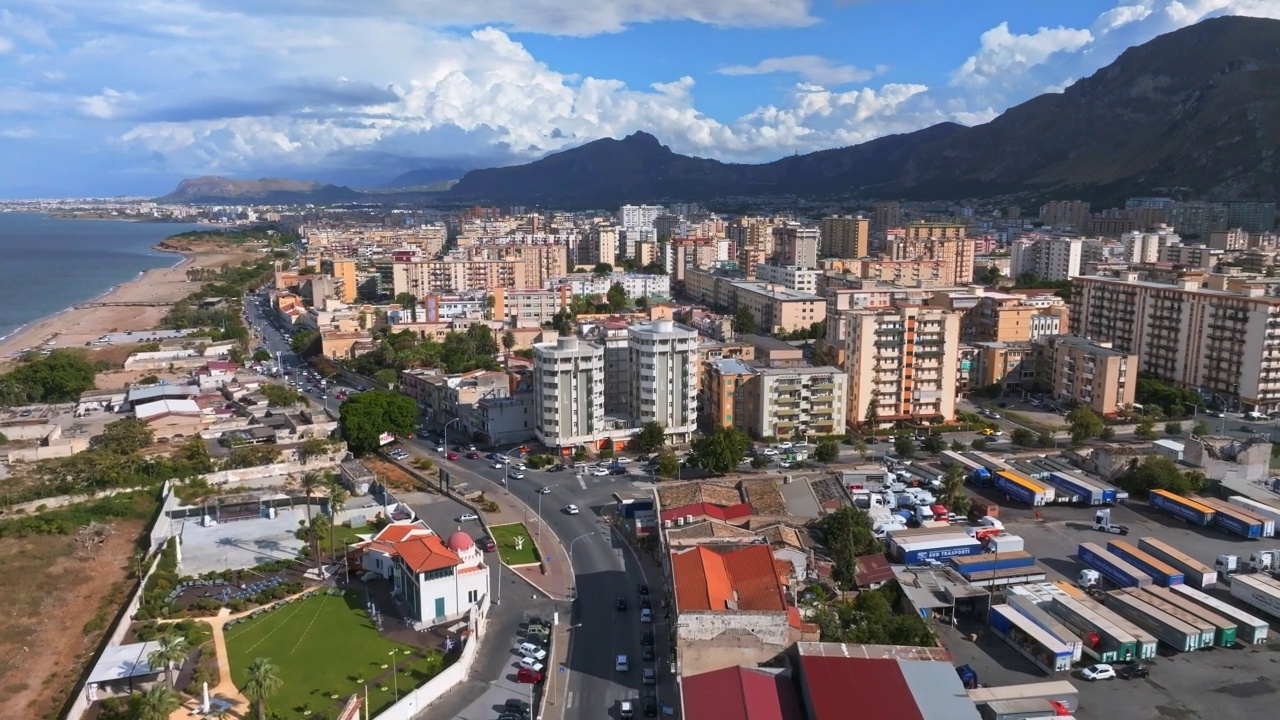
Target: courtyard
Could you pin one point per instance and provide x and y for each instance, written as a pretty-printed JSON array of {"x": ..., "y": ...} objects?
[{"x": 239, "y": 544}]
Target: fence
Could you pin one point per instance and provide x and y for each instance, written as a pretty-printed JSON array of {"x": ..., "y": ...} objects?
[{"x": 418, "y": 700}]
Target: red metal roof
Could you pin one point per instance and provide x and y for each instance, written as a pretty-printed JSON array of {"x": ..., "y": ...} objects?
[
  {"x": 838, "y": 688},
  {"x": 699, "y": 510},
  {"x": 739, "y": 693}
]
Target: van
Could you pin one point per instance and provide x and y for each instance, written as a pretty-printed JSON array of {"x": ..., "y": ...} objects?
[
  {"x": 625, "y": 710},
  {"x": 1254, "y": 415}
]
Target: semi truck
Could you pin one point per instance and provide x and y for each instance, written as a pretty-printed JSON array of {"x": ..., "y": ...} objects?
[
  {"x": 974, "y": 472},
  {"x": 1160, "y": 571},
  {"x": 1238, "y": 521},
  {"x": 1085, "y": 491},
  {"x": 1180, "y": 507},
  {"x": 1023, "y": 489},
  {"x": 1193, "y": 571},
  {"x": 1225, "y": 629},
  {"x": 1258, "y": 592},
  {"x": 1145, "y": 643},
  {"x": 1102, "y": 523},
  {"x": 1059, "y": 691},
  {"x": 1250, "y": 629},
  {"x": 917, "y": 551},
  {"x": 1167, "y": 629},
  {"x": 1115, "y": 570}
]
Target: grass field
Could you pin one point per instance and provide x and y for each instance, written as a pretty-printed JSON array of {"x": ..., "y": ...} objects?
[
  {"x": 325, "y": 646},
  {"x": 505, "y": 537}
]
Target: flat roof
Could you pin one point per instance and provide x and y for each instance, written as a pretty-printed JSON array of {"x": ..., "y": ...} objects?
[
  {"x": 911, "y": 688},
  {"x": 121, "y": 662}
]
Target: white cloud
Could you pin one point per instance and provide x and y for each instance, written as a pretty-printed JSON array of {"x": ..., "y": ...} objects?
[
  {"x": 1118, "y": 17},
  {"x": 107, "y": 104},
  {"x": 1002, "y": 53},
  {"x": 812, "y": 68},
  {"x": 6, "y": 45}
]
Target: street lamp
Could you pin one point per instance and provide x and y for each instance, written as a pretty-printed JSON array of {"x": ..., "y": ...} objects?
[
  {"x": 446, "y": 433},
  {"x": 571, "y": 544},
  {"x": 394, "y": 682}
]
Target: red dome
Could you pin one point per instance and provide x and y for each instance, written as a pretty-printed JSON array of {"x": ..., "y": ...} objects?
[{"x": 460, "y": 541}]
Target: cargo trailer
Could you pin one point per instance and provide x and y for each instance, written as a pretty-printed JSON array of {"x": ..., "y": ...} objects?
[
  {"x": 1253, "y": 591},
  {"x": 1024, "y": 709},
  {"x": 1180, "y": 507},
  {"x": 918, "y": 551},
  {"x": 1114, "y": 569},
  {"x": 1160, "y": 571},
  {"x": 1100, "y": 638},
  {"x": 1225, "y": 629},
  {"x": 1007, "y": 577},
  {"x": 1085, "y": 491},
  {"x": 1004, "y": 543},
  {"x": 1195, "y": 572},
  {"x": 1169, "y": 630},
  {"x": 1257, "y": 507},
  {"x": 1250, "y": 629},
  {"x": 992, "y": 561},
  {"x": 1031, "y": 641},
  {"x": 1047, "y": 622},
  {"x": 1145, "y": 644},
  {"x": 1238, "y": 521},
  {"x": 1023, "y": 489},
  {"x": 993, "y": 465},
  {"x": 1059, "y": 691},
  {"x": 1208, "y": 632}
]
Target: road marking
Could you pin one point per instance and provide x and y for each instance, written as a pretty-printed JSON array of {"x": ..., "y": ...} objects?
[
  {"x": 582, "y": 482},
  {"x": 569, "y": 703}
]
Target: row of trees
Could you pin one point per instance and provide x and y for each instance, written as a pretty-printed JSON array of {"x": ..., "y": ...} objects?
[
  {"x": 366, "y": 416},
  {"x": 59, "y": 377}
]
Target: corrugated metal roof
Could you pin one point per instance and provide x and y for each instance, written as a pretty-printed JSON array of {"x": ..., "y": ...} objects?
[
  {"x": 938, "y": 692},
  {"x": 856, "y": 688},
  {"x": 739, "y": 693}
]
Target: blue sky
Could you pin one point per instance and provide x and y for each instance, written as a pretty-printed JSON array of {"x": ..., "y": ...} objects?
[{"x": 130, "y": 96}]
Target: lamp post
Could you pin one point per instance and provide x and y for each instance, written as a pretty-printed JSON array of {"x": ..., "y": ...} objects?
[
  {"x": 395, "y": 684},
  {"x": 571, "y": 544},
  {"x": 446, "y": 435}
]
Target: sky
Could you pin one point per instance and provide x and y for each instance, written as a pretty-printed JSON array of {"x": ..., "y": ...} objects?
[{"x": 129, "y": 96}]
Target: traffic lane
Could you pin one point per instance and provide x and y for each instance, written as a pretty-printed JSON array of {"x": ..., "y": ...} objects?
[
  {"x": 596, "y": 686},
  {"x": 441, "y": 515}
]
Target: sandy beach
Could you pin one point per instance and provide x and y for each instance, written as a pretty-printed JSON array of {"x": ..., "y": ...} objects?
[{"x": 78, "y": 327}]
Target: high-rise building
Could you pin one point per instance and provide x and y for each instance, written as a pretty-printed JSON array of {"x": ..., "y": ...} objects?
[
  {"x": 1196, "y": 220},
  {"x": 1065, "y": 213},
  {"x": 1252, "y": 216},
  {"x": 1050, "y": 258},
  {"x": 936, "y": 241},
  {"x": 902, "y": 361},
  {"x": 884, "y": 215},
  {"x": 569, "y": 382},
  {"x": 344, "y": 273},
  {"x": 639, "y": 216},
  {"x": 1083, "y": 372},
  {"x": 1233, "y": 239},
  {"x": 599, "y": 245},
  {"x": 1144, "y": 247},
  {"x": 1223, "y": 339},
  {"x": 664, "y": 372},
  {"x": 845, "y": 236},
  {"x": 794, "y": 244}
]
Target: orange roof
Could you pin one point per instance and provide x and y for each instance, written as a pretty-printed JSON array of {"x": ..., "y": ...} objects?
[
  {"x": 426, "y": 553},
  {"x": 743, "y": 579},
  {"x": 400, "y": 532}
]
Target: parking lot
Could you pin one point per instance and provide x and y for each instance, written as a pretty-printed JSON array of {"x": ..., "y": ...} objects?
[{"x": 1240, "y": 682}]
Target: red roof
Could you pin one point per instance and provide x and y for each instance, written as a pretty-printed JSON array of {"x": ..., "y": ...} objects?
[
  {"x": 878, "y": 686},
  {"x": 739, "y": 693},
  {"x": 742, "y": 579},
  {"x": 425, "y": 553},
  {"x": 700, "y": 510}
]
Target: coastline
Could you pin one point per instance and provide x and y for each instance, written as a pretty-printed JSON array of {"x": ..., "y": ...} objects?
[{"x": 72, "y": 327}]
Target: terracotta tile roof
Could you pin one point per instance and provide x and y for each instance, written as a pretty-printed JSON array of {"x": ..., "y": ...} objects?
[
  {"x": 424, "y": 553},
  {"x": 700, "y": 510},
  {"x": 764, "y": 496},
  {"x": 740, "y": 693},
  {"x": 872, "y": 569},
  {"x": 708, "y": 529},
  {"x": 780, "y": 534},
  {"x": 743, "y": 579},
  {"x": 692, "y": 493}
]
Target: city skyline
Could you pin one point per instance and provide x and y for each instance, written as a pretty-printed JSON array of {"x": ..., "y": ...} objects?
[{"x": 129, "y": 99}]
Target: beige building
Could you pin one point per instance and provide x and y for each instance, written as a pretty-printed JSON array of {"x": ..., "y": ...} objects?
[
  {"x": 902, "y": 361},
  {"x": 1081, "y": 371},
  {"x": 529, "y": 305},
  {"x": 778, "y": 402},
  {"x": 344, "y": 274},
  {"x": 845, "y": 236},
  {"x": 599, "y": 245},
  {"x": 792, "y": 277},
  {"x": 794, "y": 244},
  {"x": 1008, "y": 364},
  {"x": 777, "y": 309},
  {"x": 1065, "y": 213},
  {"x": 936, "y": 241},
  {"x": 542, "y": 261},
  {"x": 905, "y": 272},
  {"x": 441, "y": 276},
  {"x": 1223, "y": 338}
]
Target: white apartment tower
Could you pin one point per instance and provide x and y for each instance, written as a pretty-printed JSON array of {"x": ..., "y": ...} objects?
[
  {"x": 639, "y": 216},
  {"x": 664, "y": 371},
  {"x": 1051, "y": 258},
  {"x": 568, "y": 379},
  {"x": 1144, "y": 247}
]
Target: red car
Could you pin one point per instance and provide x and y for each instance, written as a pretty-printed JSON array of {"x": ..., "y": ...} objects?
[
  {"x": 473, "y": 455},
  {"x": 451, "y": 455},
  {"x": 525, "y": 675},
  {"x": 488, "y": 544}
]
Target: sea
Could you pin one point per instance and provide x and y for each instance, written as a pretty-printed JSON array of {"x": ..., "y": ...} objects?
[{"x": 49, "y": 264}]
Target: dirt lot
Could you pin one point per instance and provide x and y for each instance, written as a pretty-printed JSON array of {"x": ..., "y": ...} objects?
[
  {"x": 52, "y": 594},
  {"x": 393, "y": 476}
]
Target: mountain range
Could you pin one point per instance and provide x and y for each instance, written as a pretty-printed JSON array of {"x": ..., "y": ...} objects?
[{"x": 1193, "y": 113}]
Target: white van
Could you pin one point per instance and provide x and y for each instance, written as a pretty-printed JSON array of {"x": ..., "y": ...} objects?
[{"x": 1254, "y": 415}]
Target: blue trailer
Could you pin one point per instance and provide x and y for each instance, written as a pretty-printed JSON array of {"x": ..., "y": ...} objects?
[
  {"x": 1022, "y": 489},
  {"x": 992, "y": 561},
  {"x": 1119, "y": 572},
  {"x": 941, "y": 548},
  {"x": 1181, "y": 507},
  {"x": 980, "y": 477},
  {"x": 1163, "y": 573},
  {"x": 1087, "y": 492}
]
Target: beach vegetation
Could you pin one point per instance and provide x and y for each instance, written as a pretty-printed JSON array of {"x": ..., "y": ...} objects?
[
  {"x": 365, "y": 417},
  {"x": 59, "y": 377}
]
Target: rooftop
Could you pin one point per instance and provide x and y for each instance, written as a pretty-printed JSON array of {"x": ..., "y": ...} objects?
[
  {"x": 740, "y": 693},
  {"x": 692, "y": 493},
  {"x": 764, "y": 496},
  {"x": 888, "y": 682},
  {"x": 732, "y": 366},
  {"x": 737, "y": 579},
  {"x": 698, "y": 510}
]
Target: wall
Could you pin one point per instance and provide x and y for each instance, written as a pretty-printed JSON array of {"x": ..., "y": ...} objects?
[
  {"x": 61, "y": 501},
  {"x": 418, "y": 700},
  {"x": 713, "y": 640},
  {"x": 59, "y": 449},
  {"x": 27, "y": 432},
  {"x": 258, "y": 472}
]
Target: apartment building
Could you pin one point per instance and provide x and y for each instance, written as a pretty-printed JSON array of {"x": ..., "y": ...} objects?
[
  {"x": 524, "y": 306},
  {"x": 1251, "y": 216},
  {"x": 441, "y": 276},
  {"x": 1223, "y": 339},
  {"x": 636, "y": 285},
  {"x": 935, "y": 241},
  {"x": 796, "y": 401},
  {"x": 664, "y": 372},
  {"x": 1065, "y": 213},
  {"x": 1198, "y": 219},
  {"x": 902, "y": 361},
  {"x": 905, "y": 272},
  {"x": 683, "y": 254},
  {"x": 1050, "y": 258},
  {"x": 793, "y": 277},
  {"x": 722, "y": 395},
  {"x": 1008, "y": 364},
  {"x": 640, "y": 216},
  {"x": 1084, "y": 372},
  {"x": 348, "y": 283},
  {"x": 884, "y": 215},
  {"x": 776, "y": 308},
  {"x": 1235, "y": 240},
  {"x": 598, "y": 245},
  {"x": 794, "y": 244},
  {"x": 1192, "y": 256},
  {"x": 753, "y": 237},
  {"x": 845, "y": 236},
  {"x": 569, "y": 384},
  {"x": 1144, "y": 247}
]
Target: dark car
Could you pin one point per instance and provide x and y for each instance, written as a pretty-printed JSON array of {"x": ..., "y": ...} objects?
[
  {"x": 487, "y": 544},
  {"x": 516, "y": 706},
  {"x": 650, "y": 705},
  {"x": 647, "y": 639},
  {"x": 621, "y": 603},
  {"x": 1134, "y": 671},
  {"x": 646, "y": 603},
  {"x": 473, "y": 455},
  {"x": 647, "y": 654},
  {"x": 643, "y": 458},
  {"x": 643, "y": 589},
  {"x": 618, "y": 471}
]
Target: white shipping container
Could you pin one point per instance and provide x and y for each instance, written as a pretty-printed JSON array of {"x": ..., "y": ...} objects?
[
  {"x": 1269, "y": 513},
  {"x": 1005, "y": 544},
  {"x": 1257, "y": 594}
]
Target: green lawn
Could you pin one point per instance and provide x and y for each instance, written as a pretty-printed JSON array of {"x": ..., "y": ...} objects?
[
  {"x": 505, "y": 536},
  {"x": 322, "y": 646},
  {"x": 343, "y": 535}
]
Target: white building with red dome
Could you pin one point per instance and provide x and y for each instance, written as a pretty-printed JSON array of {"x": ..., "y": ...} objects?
[{"x": 433, "y": 580}]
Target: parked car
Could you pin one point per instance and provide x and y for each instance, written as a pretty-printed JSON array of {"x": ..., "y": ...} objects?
[
  {"x": 517, "y": 706},
  {"x": 647, "y": 654},
  {"x": 622, "y": 461},
  {"x": 531, "y": 664},
  {"x": 1101, "y": 671},
  {"x": 770, "y": 452},
  {"x": 600, "y": 472},
  {"x": 622, "y": 664},
  {"x": 529, "y": 650},
  {"x": 468, "y": 517},
  {"x": 650, "y": 705},
  {"x": 487, "y": 544},
  {"x": 1134, "y": 671},
  {"x": 571, "y": 509},
  {"x": 646, "y": 615},
  {"x": 525, "y": 675},
  {"x": 649, "y": 676}
]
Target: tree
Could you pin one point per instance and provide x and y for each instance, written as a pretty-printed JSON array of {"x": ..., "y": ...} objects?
[
  {"x": 148, "y": 380},
  {"x": 979, "y": 444},
  {"x": 603, "y": 269},
  {"x": 508, "y": 341},
  {"x": 934, "y": 444},
  {"x": 668, "y": 465},
  {"x": 1023, "y": 438},
  {"x": 1086, "y": 424},
  {"x": 158, "y": 703},
  {"x": 387, "y": 376},
  {"x": 60, "y": 377},
  {"x": 1173, "y": 427},
  {"x": 1108, "y": 434},
  {"x": 1145, "y": 429},
  {"x": 311, "y": 481},
  {"x": 744, "y": 323},
  {"x": 848, "y": 533},
  {"x": 313, "y": 448},
  {"x": 261, "y": 681},
  {"x": 365, "y": 417},
  {"x": 860, "y": 446},
  {"x": 1157, "y": 472},
  {"x": 303, "y": 341},
  {"x": 1200, "y": 429},
  {"x": 261, "y": 355},
  {"x": 827, "y": 451},
  {"x": 904, "y": 446},
  {"x": 1047, "y": 440},
  {"x": 280, "y": 395},
  {"x": 760, "y": 462},
  {"x": 337, "y": 503},
  {"x": 314, "y": 529},
  {"x": 409, "y": 302},
  {"x": 170, "y": 654},
  {"x": 721, "y": 450},
  {"x": 953, "y": 496},
  {"x": 872, "y": 417},
  {"x": 123, "y": 437},
  {"x": 617, "y": 297},
  {"x": 562, "y": 322},
  {"x": 652, "y": 436}
]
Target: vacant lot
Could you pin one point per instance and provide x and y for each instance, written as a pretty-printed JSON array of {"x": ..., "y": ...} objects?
[
  {"x": 505, "y": 537},
  {"x": 50, "y": 624},
  {"x": 325, "y": 649}
]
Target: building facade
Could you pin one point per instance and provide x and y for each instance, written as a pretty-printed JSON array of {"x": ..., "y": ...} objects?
[
  {"x": 1080, "y": 371},
  {"x": 845, "y": 236},
  {"x": 902, "y": 361},
  {"x": 664, "y": 371},
  {"x": 569, "y": 384}
]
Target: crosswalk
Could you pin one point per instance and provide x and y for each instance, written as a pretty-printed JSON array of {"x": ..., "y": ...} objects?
[{"x": 601, "y": 479}]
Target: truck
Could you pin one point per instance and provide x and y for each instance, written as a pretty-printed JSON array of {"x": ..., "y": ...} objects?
[
  {"x": 1059, "y": 691},
  {"x": 1023, "y": 489},
  {"x": 1027, "y": 607},
  {"x": 1145, "y": 644},
  {"x": 1181, "y": 507},
  {"x": 1160, "y": 571},
  {"x": 1262, "y": 561},
  {"x": 1169, "y": 630},
  {"x": 1250, "y": 629},
  {"x": 914, "y": 552},
  {"x": 1003, "y": 543},
  {"x": 1225, "y": 629},
  {"x": 1257, "y": 507},
  {"x": 1256, "y": 592},
  {"x": 1101, "y": 639},
  {"x": 1193, "y": 571},
  {"x": 974, "y": 472},
  {"x": 1102, "y": 523},
  {"x": 992, "y": 561},
  {"x": 1117, "y": 571},
  {"x": 1084, "y": 490},
  {"x": 1207, "y": 631},
  {"x": 1235, "y": 520}
]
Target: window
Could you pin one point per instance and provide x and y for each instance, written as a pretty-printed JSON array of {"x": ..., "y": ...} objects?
[{"x": 473, "y": 596}]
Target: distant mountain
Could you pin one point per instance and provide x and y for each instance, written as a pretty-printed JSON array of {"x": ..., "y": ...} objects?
[
  {"x": 270, "y": 191},
  {"x": 425, "y": 177},
  {"x": 1195, "y": 112}
]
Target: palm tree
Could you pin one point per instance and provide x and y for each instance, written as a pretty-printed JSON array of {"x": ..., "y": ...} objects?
[
  {"x": 320, "y": 524},
  {"x": 159, "y": 702},
  {"x": 337, "y": 502},
  {"x": 508, "y": 343},
  {"x": 170, "y": 655},
  {"x": 310, "y": 481},
  {"x": 261, "y": 681}
]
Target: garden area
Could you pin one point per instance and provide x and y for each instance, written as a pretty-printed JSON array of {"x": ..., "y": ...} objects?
[
  {"x": 323, "y": 649},
  {"x": 505, "y": 537}
]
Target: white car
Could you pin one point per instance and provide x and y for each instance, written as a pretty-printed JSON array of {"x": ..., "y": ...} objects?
[
  {"x": 521, "y": 466},
  {"x": 544, "y": 490},
  {"x": 801, "y": 444},
  {"x": 571, "y": 509},
  {"x": 468, "y": 517},
  {"x": 497, "y": 466},
  {"x": 622, "y": 664},
  {"x": 600, "y": 472},
  {"x": 646, "y": 615},
  {"x": 517, "y": 476},
  {"x": 770, "y": 452},
  {"x": 784, "y": 446},
  {"x": 531, "y": 664},
  {"x": 529, "y": 650},
  {"x": 1101, "y": 671},
  {"x": 622, "y": 461}
]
